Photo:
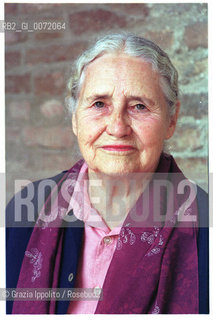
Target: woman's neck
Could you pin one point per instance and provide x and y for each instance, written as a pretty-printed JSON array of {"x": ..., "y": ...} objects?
[{"x": 113, "y": 197}]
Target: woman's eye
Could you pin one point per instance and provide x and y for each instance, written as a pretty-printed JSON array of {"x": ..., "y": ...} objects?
[
  {"x": 99, "y": 104},
  {"x": 140, "y": 107}
]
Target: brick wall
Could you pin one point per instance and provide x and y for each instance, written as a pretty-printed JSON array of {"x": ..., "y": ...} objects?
[{"x": 40, "y": 142}]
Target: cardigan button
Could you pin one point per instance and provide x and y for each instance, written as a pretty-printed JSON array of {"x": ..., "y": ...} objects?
[{"x": 70, "y": 277}]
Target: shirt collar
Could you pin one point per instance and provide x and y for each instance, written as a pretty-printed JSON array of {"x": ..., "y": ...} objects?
[{"x": 81, "y": 205}]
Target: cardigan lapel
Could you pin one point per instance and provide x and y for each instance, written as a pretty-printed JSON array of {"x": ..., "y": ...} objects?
[{"x": 72, "y": 244}]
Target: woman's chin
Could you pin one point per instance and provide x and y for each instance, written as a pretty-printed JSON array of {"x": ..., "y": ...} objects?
[{"x": 115, "y": 169}]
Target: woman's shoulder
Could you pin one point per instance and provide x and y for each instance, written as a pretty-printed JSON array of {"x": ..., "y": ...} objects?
[
  {"x": 21, "y": 215},
  {"x": 24, "y": 205}
]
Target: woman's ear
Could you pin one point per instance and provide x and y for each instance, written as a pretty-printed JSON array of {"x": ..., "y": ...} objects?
[
  {"x": 173, "y": 121},
  {"x": 74, "y": 124}
]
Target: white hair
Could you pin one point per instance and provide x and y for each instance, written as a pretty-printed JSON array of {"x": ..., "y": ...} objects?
[{"x": 133, "y": 46}]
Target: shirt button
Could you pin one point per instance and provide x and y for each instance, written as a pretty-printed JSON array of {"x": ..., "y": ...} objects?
[
  {"x": 107, "y": 240},
  {"x": 97, "y": 290},
  {"x": 70, "y": 277}
]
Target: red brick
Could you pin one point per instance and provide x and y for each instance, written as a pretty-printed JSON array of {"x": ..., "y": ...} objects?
[
  {"x": 50, "y": 83},
  {"x": 188, "y": 137},
  {"x": 12, "y": 37},
  {"x": 52, "y": 109},
  {"x": 55, "y": 53},
  {"x": 43, "y": 36},
  {"x": 12, "y": 134},
  {"x": 193, "y": 166},
  {"x": 52, "y": 29},
  {"x": 10, "y": 8},
  {"x": 195, "y": 169},
  {"x": 12, "y": 59},
  {"x": 19, "y": 110},
  {"x": 136, "y": 9},
  {"x": 34, "y": 8},
  {"x": 57, "y": 162},
  {"x": 195, "y": 105},
  {"x": 17, "y": 83},
  {"x": 196, "y": 35},
  {"x": 52, "y": 137},
  {"x": 95, "y": 20},
  {"x": 162, "y": 38}
]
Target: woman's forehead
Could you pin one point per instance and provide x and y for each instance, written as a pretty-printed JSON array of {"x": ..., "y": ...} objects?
[
  {"x": 118, "y": 62},
  {"x": 112, "y": 72}
]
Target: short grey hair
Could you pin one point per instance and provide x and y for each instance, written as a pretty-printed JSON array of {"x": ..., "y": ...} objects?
[{"x": 133, "y": 46}]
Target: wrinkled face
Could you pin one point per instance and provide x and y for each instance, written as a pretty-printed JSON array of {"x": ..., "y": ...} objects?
[{"x": 122, "y": 118}]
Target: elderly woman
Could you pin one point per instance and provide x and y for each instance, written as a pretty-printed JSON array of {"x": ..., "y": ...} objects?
[{"x": 123, "y": 219}]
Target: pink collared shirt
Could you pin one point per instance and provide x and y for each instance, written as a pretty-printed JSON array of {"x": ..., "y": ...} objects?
[{"x": 99, "y": 243}]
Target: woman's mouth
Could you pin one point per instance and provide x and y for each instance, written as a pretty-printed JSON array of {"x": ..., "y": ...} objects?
[{"x": 118, "y": 148}]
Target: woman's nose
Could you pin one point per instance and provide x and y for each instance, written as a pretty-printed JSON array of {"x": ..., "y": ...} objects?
[{"x": 117, "y": 125}]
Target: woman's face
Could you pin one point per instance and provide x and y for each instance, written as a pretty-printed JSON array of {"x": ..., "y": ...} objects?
[{"x": 122, "y": 118}]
